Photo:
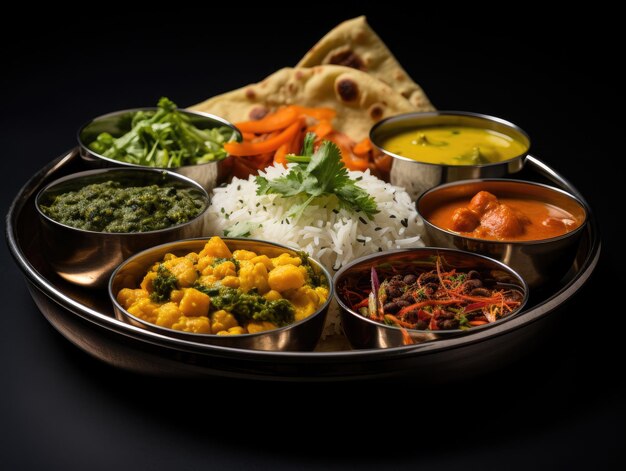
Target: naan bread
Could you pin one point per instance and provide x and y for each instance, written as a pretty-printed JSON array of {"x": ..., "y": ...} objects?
[
  {"x": 354, "y": 44},
  {"x": 359, "y": 98}
]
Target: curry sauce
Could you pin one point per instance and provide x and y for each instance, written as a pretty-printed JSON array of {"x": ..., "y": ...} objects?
[
  {"x": 486, "y": 216},
  {"x": 455, "y": 145}
]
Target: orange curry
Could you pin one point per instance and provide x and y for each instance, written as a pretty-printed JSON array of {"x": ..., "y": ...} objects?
[{"x": 509, "y": 218}]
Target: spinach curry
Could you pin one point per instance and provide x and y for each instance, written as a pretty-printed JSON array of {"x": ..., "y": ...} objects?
[{"x": 112, "y": 207}]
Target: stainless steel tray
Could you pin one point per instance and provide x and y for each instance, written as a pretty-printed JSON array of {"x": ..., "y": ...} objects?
[{"x": 85, "y": 317}]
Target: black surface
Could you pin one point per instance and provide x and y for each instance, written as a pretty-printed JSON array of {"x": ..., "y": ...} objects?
[{"x": 563, "y": 407}]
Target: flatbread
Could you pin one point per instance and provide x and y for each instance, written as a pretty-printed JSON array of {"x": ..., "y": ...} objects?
[
  {"x": 354, "y": 43},
  {"x": 359, "y": 98}
]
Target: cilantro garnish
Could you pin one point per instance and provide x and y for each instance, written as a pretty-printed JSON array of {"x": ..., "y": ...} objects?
[
  {"x": 241, "y": 229},
  {"x": 318, "y": 173}
]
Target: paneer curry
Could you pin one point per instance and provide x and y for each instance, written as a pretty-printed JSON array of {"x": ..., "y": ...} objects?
[
  {"x": 486, "y": 216},
  {"x": 216, "y": 291}
]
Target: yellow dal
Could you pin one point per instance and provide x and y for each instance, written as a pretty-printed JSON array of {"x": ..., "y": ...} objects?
[{"x": 454, "y": 145}]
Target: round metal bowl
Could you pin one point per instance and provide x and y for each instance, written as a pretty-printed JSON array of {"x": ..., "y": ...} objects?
[
  {"x": 539, "y": 262},
  {"x": 417, "y": 177},
  {"x": 363, "y": 332},
  {"x": 299, "y": 336},
  {"x": 87, "y": 258},
  {"x": 208, "y": 175}
]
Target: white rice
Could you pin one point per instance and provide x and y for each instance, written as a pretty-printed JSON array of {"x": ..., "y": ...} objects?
[{"x": 330, "y": 234}]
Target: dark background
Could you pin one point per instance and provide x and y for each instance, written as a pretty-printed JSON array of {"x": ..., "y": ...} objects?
[{"x": 562, "y": 407}]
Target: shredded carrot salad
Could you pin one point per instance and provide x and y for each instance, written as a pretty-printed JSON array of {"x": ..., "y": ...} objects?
[{"x": 269, "y": 140}]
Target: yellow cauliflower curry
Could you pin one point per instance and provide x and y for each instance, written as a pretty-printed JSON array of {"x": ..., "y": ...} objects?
[{"x": 220, "y": 292}]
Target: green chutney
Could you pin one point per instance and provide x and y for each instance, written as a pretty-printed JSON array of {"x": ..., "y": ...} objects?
[{"x": 111, "y": 207}]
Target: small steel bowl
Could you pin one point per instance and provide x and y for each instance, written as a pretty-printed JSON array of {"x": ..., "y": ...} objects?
[
  {"x": 366, "y": 333},
  {"x": 417, "y": 177},
  {"x": 299, "y": 336},
  {"x": 88, "y": 258},
  {"x": 539, "y": 262},
  {"x": 208, "y": 175}
]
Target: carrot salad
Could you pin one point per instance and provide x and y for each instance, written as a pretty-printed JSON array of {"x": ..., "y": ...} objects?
[{"x": 269, "y": 140}]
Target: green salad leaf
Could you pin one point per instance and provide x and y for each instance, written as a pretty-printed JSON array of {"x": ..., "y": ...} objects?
[{"x": 165, "y": 138}]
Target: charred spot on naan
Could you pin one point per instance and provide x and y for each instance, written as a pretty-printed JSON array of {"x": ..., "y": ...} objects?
[
  {"x": 258, "y": 112},
  {"x": 347, "y": 89},
  {"x": 376, "y": 111},
  {"x": 346, "y": 56},
  {"x": 399, "y": 76}
]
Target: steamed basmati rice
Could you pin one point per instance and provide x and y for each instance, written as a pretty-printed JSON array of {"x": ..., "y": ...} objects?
[{"x": 328, "y": 233}]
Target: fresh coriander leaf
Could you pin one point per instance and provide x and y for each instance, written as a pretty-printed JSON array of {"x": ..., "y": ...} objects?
[
  {"x": 297, "y": 209},
  {"x": 307, "y": 145},
  {"x": 288, "y": 185},
  {"x": 263, "y": 185},
  {"x": 327, "y": 168},
  {"x": 241, "y": 229},
  {"x": 323, "y": 174},
  {"x": 353, "y": 196}
]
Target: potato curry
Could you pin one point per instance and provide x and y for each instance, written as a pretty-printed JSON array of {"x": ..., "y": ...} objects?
[{"x": 220, "y": 292}]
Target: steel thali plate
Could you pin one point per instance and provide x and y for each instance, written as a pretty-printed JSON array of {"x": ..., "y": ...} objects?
[{"x": 85, "y": 317}]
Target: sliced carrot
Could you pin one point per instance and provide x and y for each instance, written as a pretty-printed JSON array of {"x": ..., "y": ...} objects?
[
  {"x": 280, "y": 119},
  {"x": 322, "y": 129},
  {"x": 260, "y": 161},
  {"x": 279, "y": 156},
  {"x": 362, "y": 303},
  {"x": 429, "y": 302},
  {"x": 354, "y": 163},
  {"x": 406, "y": 338},
  {"x": 283, "y": 117},
  {"x": 363, "y": 147},
  {"x": 317, "y": 113},
  {"x": 269, "y": 145},
  {"x": 344, "y": 143},
  {"x": 399, "y": 322},
  {"x": 478, "y": 322},
  {"x": 346, "y": 155},
  {"x": 248, "y": 136},
  {"x": 266, "y": 136},
  {"x": 295, "y": 146}
]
